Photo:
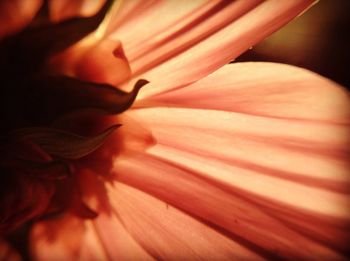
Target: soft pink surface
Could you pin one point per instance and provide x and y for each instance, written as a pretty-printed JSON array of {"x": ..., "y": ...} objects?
[
  {"x": 250, "y": 162},
  {"x": 262, "y": 89},
  {"x": 186, "y": 61}
]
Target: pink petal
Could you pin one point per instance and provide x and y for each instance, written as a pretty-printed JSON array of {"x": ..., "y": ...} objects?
[
  {"x": 132, "y": 17},
  {"x": 237, "y": 145},
  {"x": 252, "y": 221},
  {"x": 281, "y": 172},
  {"x": 169, "y": 234},
  {"x": 178, "y": 31},
  {"x": 16, "y": 14},
  {"x": 117, "y": 242},
  {"x": 133, "y": 136},
  {"x": 197, "y": 49},
  {"x": 263, "y": 89}
]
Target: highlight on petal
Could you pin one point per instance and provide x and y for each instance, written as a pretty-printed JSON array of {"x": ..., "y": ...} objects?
[
  {"x": 117, "y": 241},
  {"x": 269, "y": 228},
  {"x": 263, "y": 89},
  {"x": 16, "y": 14},
  {"x": 126, "y": 214},
  {"x": 259, "y": 151},
  {"x": 183, "y": 26},
  {"x": 193, "y": 52},
  {"x": 252, "y": 164},
  {"x": 171, "y": 233},
  {"x": 64, "y": 9}
]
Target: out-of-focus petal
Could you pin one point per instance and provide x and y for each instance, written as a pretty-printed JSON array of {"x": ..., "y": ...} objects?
[
  {"x": 7, "y": 252},
  {"x": 64, "y": 9},
  {"x": 16, "y": 14},
  {"x": 257, "y": 223},
  {"x": 263, "y": 89},
  {"x": 200, "y": 47},
  {"x": 171, "y": 234},
  {"x": 66, "y": 238}
]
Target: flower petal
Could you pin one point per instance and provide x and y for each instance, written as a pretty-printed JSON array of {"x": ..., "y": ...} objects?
[
  {"x": 171, "y": 234},
  {"x": 240, "y": 143},
  {"x": 64, "y": 9},
  {"x": 186, "y": 25},
  {"x": 94, "y": 60},
  {"x": 117, "y": 242},
  {"x": 263, "y": 89},
  {"x": 16, "y": 14},
  {"x": 200, "y": 47},
  {"x": 7, "y": 252},
  {"x": 281, "y": 170},
  {"x": 247, "y": 219}
]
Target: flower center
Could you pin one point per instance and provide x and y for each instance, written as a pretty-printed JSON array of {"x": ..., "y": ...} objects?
[{"x": 50, "y": 121}]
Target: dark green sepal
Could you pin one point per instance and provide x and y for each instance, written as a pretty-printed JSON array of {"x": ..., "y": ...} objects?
[
  {"x": 63, "y": 144},
  {"x": 48, "y": 98}
]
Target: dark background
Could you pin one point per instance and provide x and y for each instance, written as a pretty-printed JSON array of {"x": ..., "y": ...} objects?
[{"x": 318, "y": 40}]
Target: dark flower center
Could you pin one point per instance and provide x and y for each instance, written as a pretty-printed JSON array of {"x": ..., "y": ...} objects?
[{"x": 37, "y": 151}]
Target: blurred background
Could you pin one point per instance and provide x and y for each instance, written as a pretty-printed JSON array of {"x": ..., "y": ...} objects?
[{"x": 318, "y": 40}]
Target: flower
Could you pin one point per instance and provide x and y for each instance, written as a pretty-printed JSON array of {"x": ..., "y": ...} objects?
[{"x": 247, "y": 162}]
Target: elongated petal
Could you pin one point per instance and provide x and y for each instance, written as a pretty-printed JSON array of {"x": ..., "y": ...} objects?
[
  {"x": 278, "y": 173},
  {"x": 246, "y": 218},
  {"x": 243, "y": 142},
  {"x": 127, "y": 214},
  {"x": 117, "y": 242},
  {"x": 171, "y": 234},
  {"x": 16, "y": 14},
  {"x": 196, "y": 52},
  {"x": 263, "y": 89},
  {"x": 170, "y": 38}
]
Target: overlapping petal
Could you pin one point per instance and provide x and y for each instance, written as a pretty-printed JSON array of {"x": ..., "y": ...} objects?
[
  {"x": 290, "y": 173},
  {"x": 171, "y": 233},
  {"x": 16, "y": 14},
  {"x": 205, "y": 40},
  {"x": 7, "y": 252},
  {"x": 249, "y": 220},
  {"x": 262, "y": 89},
  {"x": 63, "y": 9},
  {"x": 250, "y": 162},
  {"x": 212, "y": 32}
]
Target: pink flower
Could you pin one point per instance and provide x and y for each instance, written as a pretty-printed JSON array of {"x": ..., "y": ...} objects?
[{"x": 213, "y": 160}]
